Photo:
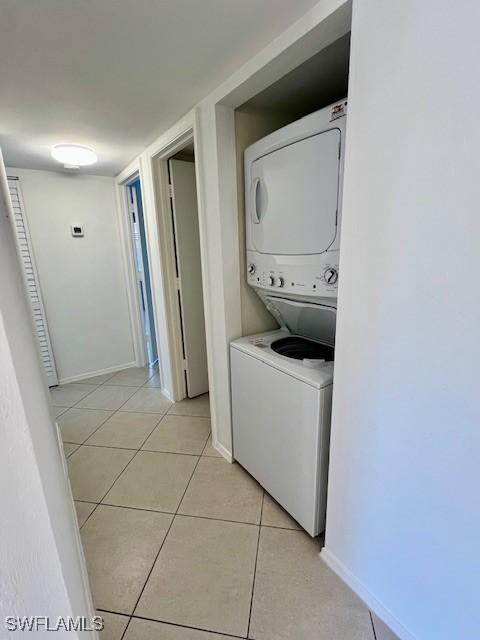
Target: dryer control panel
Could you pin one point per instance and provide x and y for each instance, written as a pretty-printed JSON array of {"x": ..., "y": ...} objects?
[{"x": 315, "y": 276}]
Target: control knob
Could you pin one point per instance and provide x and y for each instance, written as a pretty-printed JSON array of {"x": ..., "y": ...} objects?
[
  {"x": 271, "y": 281},
  {"x": 280, "y": 282},
  {"x": 330, "y": 275},
  {"x": 251, "y": 269}
]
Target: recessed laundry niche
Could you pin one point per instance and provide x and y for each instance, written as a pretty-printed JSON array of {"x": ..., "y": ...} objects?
[{"x": 316, "y": 83}]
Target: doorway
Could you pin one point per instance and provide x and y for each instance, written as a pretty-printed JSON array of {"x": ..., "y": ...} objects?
[
  {"x": 142, "y": 271},
  {"x": 188, "y": 270}
]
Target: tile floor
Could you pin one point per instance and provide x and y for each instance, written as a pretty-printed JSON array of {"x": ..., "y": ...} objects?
[{"x": 180, "y": 544}]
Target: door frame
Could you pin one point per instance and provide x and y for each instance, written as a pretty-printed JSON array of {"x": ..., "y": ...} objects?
[
  {"x": 161, "y": 184},
  {"x": 124, "y": 179}
]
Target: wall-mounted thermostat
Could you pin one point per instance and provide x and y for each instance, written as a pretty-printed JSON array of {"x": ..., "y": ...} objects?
[{"x": 77, "y": 231}]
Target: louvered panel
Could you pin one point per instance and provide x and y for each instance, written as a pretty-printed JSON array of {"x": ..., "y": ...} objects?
[{"x": 31, "y": 281}]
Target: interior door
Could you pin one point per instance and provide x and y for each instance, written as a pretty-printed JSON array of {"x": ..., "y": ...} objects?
[
  {"x": 142, "y": 272},
  {"x": 190, "y": 289},
  {"x": 302, "y": 176},
  {"x": 32, "y": 284}
]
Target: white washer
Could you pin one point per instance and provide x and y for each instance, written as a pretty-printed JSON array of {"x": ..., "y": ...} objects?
[{"x": 281, "y": 414}]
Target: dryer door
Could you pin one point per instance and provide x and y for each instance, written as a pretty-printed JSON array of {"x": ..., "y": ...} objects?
[{"x": 293, "y": 197}]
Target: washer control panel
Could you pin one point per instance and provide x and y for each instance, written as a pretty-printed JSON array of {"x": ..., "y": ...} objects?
[{"x": 317, "y": 276}]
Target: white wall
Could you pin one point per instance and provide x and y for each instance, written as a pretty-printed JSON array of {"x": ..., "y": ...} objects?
[
  {"x": 42, "y": 565},
  {"x": 215, "y": 156},
  {"x": 82, "y": 279},
  {"x": 403, "y": 521}
]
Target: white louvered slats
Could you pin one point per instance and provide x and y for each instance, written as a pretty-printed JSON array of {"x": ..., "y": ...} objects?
[{"x": 31, "y": 280}]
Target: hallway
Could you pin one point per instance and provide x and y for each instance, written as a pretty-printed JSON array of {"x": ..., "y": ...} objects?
[{"x": 177, "y": 540}]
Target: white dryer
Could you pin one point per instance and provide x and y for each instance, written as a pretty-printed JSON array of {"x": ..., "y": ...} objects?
[
  {"x": 282, "y": 381},
  {"x": 293, "y": 193}
]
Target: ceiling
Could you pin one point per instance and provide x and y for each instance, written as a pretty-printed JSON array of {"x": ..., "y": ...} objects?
[
  {"x": 114, "y": 74},
  {"x": 316, "y": 83}
]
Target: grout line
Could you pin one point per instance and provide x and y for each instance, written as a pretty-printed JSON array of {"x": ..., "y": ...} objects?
[
  {"x": 103, "y": 446},
  {"x": 173, "y": 453},
  {"x": 206, "y": 442},
  {"x": 184, "y": 515},
  {"x": 126, "y": 628},
  {"x": 85, "y": 396},
  {"x": 95, "y": 431},
  {"x": 373, "y": 626},
  {"x": 165, "y": 622},
  {"x": 88, "y": 408},
  {"x": 185, "y": 415},
  {"x": 156, "y": 425},
  {"x": 185, "y": 626},
  {"x": 89, "y": 515},
  {"x": 188, "y": 515},
  {"x": 166, "y": 535},
  {"x": 255, "y": 566},
  {"x": 127, "y": 386}
]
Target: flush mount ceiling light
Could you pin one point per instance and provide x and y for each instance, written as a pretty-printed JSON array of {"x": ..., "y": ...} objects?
[{"x": 73, "y": 156}]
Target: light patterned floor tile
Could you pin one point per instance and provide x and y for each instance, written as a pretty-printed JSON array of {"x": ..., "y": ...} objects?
[
  {"x": 57, "y": 411},
  {"x": 149, "y": 401},
  {"x": 203, "y": 576},
  {"x": 83, "y": 509},
  {"x": 154, "y": 381},
  {"x": 120, "y": 547},
  {"x": 93, "y": 470},
  {"x": 273, "y": 515},
  {"x": 199, "y": 406},
  {"x": 76, "y": 425},
  {"x": 100, "y": 379},
  {"x": 114, "y": 625},
  {"x": 297, "y": 596},
  {"x": 219, "y": 489},
  {"x": 179, "y": 434},
  {"x": 69, "y": 448},
  {"x": 153, "y": 481},
  {"x": 66, "y": 395},
  {"x": 210, "y": 450},
  {"x": 125, "y": 430},
  {"x": 134, "y": 377},
  {"x": 382, "y": 632},
  {"x": 147, "y": 630},
  {"x": 109, "y": 398}
]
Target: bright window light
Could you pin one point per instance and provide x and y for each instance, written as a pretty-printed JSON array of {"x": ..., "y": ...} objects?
[{"x": 74, "y": 155}]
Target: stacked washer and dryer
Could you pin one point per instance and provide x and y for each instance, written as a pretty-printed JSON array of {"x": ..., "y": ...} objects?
[{"x": 282, "y": 380}]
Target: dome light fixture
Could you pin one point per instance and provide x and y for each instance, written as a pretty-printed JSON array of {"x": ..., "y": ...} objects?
[{"x": 73, "y": 156}]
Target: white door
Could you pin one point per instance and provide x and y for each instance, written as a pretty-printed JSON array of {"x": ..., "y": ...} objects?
[
  {"x": 30, "y": 278},
  {"x": 190, "y": 290},
  {"x": 299, "y": 178}
]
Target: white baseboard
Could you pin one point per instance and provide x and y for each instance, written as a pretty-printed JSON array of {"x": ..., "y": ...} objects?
[
  {"x": 92, "y": 374},
  {"x": 221, "y": 449},
  {"x": 167, "y": 394},
  {"x": 364, "y": 594}
]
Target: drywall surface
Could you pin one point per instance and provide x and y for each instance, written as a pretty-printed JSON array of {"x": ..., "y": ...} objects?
[
  {"x": 215, "y": 154},
  {"x": 43, "y": 571},
  {"x": 403, "y": 522},
  {"x": 82, "y": 279},
  {"x": 250, "y": 126}
]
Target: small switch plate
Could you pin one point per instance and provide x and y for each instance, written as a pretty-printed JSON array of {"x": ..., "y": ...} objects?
[{"x": 77, "y": 231}]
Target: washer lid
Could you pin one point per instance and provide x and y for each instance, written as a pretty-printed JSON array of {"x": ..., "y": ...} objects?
[{"x": 316, "y": 321}]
